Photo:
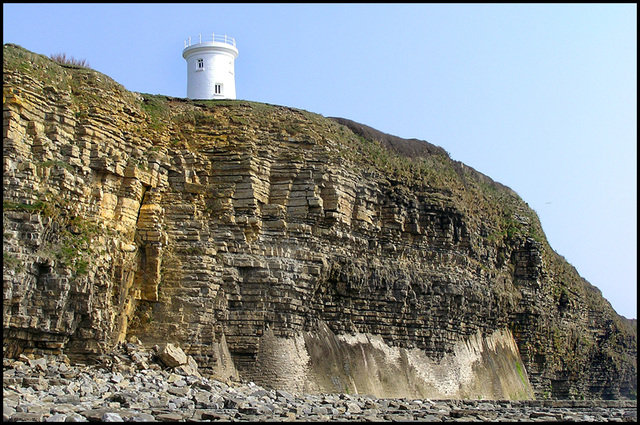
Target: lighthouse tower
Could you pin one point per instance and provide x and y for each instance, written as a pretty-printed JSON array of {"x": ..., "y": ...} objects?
[{"x": 210, "y": 67}]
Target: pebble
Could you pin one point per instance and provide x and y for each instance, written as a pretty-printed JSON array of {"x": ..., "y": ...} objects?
[{"x": 137, "y": 388}]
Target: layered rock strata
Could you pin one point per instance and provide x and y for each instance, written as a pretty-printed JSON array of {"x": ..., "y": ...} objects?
[{"x": 300, "y": 252}]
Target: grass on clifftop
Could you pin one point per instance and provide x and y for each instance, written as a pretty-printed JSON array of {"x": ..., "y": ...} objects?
[{"x": 61, "y": 74}]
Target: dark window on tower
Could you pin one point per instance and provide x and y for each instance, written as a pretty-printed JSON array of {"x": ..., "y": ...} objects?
[
  {"x": 218, "y": 89},
  {"x": 200, "y": 64}
]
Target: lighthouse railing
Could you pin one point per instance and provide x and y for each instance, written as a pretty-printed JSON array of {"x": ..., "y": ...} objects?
[{"x": 218, "y": 38}]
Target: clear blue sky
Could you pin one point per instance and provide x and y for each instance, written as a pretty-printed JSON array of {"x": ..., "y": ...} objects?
[{"x": 540, "y": 97}]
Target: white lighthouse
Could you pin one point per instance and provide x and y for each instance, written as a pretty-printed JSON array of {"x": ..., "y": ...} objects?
[{"x": 210, "y": 67}]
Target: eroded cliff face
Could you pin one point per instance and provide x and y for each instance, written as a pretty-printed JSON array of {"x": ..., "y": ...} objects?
[{"x": 298, "y": 251}]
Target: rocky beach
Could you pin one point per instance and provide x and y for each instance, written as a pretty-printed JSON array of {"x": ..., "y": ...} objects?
[{"x": 131, "y": 384}]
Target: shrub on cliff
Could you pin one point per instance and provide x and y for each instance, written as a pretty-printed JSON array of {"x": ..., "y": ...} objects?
[{"x": 62, "y": 59}]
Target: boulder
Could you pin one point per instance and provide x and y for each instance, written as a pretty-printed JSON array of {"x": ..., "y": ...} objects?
[{"x": 172, "y": 356}]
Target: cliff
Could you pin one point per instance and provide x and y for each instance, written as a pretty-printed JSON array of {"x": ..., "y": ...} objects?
[{"x": 301, "y": 252}]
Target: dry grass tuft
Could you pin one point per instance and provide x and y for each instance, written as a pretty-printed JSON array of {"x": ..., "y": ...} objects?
[{"x": 62, "y": 59}]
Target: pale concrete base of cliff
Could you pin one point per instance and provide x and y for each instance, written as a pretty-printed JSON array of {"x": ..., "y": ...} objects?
[{"x": 481, "y": 367}]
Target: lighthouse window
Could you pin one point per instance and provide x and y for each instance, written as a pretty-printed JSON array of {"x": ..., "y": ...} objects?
[
  {"x": 218, "y": 89},
  {"x": 200, "y": 64}
]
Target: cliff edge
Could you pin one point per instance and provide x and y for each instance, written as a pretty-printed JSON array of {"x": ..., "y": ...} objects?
[{"x": 305, "y": 253}]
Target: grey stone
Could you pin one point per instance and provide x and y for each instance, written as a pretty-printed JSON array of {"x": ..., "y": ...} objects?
[
  {"x": 353, "y": 408},
  {"x": 75, "y": 417},
  {"x": 169, "y": 417},
  {"x": 57, "y": 417},
  {"x": 321, "y": 410},
  {"x": 111, "y": 417},
  {"x": 143, "y": 417},
  {"x": 95, "y": 414},
  {"x": 259, "y": 393},
  {"x": 232, "y": 402},
  {"x": 26, "y": 417},
  {"x": 39, "y": 364},
  {"x": 68, "y": 399},
  {"x": 218, "y": 415},
  {"x": 216, "y": 402},
  {"x": 202, "y": 397},
  {"x": 188, "y": 369},
  {"x": 172, "y": 356},
  {"x": 179, "y": 391},
  {"x": 7, "y": 409},
  {"x": 38, "y": 383},
  {"x": 285, "y": 395}
]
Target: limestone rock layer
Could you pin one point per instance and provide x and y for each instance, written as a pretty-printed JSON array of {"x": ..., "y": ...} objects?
[{"x": 301, "y": 252}]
